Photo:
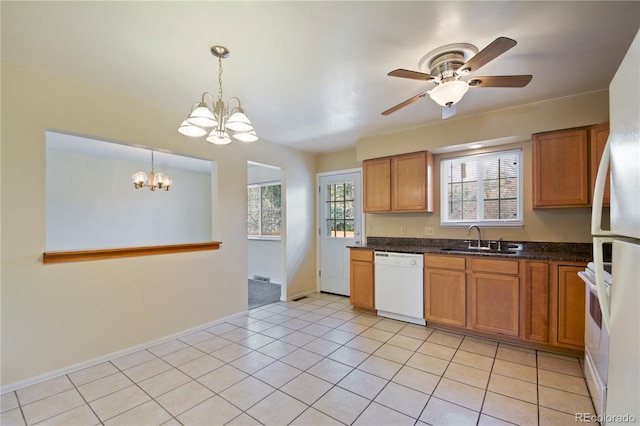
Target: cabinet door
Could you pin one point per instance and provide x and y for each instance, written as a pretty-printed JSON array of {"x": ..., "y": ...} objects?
[
  {"x": 571, "y": 298},
  {"x": 599, "y": 136},
  {"x": 377, "y": 185},
  {"x": 445, "y": 297},
  {"x": 494, "y": 303},
  {"x": 561, "y": 169},
  {"x": 409, "y": 182},
  {"x": 362, "y": 290},
  {"x": 534, "y": 304}
]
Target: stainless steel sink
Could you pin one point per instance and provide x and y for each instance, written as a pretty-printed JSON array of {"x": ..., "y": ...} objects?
[{"x": 509, "y": 250}]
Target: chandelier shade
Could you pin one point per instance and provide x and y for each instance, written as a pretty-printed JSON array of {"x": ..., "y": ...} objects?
[
  {"x": 202, "y": 116},
  {"x": 191, "y": 130},
  {"x": 247, "y": 136},
  {"x": 228, "y": 123},
  {"x": 239, "y": 122},
  {"x": 219, "y": 137}
]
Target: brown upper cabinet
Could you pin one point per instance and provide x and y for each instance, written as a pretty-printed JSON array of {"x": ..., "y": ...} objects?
[
  {"x": 402, "y": 183},
  {"x": 565, "y": 164},
  {"x": 377, "y": 185}
]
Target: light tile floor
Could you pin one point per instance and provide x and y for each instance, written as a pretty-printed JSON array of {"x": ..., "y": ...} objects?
[{"x": 313, "y": 362}]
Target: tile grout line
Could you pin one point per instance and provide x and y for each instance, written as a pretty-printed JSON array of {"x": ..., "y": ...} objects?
[
  {"x": 486, "y": 391},
  {"x": 135, "y": 383},
  {"x": 84, "y": 399},
  {"x": 284, "y": 307}
]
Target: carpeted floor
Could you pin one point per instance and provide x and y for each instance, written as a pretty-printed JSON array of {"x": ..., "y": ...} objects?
[{"x": 262, "y": 293}]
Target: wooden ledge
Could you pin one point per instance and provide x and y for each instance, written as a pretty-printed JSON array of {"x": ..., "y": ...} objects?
[{"x": 82, "y": 255}]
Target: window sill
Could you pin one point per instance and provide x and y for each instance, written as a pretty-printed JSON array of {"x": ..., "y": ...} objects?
[
  {"x": 263, "y": 238},
  {"x": 83, "y": 255}
]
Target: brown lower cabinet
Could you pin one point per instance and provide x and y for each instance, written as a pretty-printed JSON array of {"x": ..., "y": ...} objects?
[
  {"x": 362, "y": 293},
  {"x": 531, "y": 302},
  {"x": 534, "y": 302},
  {"x": 569, "y": 305},
  {"x": 445, "y": 294},
  {"x": 525, "y": 301},
  {"x": 495, "y": 303}
]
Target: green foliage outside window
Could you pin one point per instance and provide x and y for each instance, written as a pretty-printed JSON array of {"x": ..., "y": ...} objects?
[{"x": 264, "y": 210}]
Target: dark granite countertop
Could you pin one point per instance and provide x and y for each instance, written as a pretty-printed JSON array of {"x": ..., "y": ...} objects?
[{"x": 567, "y": 252}]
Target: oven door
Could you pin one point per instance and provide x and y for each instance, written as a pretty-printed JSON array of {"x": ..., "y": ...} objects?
[{"x": 596, "y": 338}]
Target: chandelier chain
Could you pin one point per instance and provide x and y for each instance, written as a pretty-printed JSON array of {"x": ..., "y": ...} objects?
[{"x": 219, "y": 77}]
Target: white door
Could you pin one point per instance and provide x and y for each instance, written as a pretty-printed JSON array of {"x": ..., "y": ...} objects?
[{"x": 340, "y": 203}]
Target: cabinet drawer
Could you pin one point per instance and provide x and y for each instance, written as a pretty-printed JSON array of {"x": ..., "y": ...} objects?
[
  {"x": 444, "y": 262},
  {"x": 498, "y": 266},
  {"x": 362, "y": 254}
]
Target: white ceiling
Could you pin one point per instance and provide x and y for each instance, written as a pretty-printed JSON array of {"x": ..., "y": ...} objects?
[{"x": 312, "y": 75}]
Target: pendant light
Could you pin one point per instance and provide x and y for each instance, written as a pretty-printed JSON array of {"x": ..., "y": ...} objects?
[{"x": 218, "y": 122}]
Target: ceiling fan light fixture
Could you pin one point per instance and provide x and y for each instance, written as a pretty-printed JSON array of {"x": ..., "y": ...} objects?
[{"x": 449, "y": 93}]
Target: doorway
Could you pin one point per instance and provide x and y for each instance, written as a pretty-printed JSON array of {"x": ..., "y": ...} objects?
[
  {"x": 264, "y": 225},
  {"x": 340, "y": 217}
]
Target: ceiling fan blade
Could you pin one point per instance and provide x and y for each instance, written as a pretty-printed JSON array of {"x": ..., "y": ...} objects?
[
  {"x": 405, "y": 103},
  {"x": 415, "y": 75},
  {"x": 489, "y": 53},
  {"x": 501, "y": 81}
]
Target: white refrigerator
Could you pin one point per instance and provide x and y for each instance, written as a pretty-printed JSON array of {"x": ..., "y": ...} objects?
[{"x": 621, "y": 315}]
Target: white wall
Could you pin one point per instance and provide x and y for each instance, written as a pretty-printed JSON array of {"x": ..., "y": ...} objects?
[
  {"x": 92, "y": 203},
  {"x": 265, "y": 259},
  {"x": 59, "y": 315}
]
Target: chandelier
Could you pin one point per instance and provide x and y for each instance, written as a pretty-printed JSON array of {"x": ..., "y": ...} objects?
[
  {"x": 225, "y": 122},
  {"x": 153, "y": 181}
]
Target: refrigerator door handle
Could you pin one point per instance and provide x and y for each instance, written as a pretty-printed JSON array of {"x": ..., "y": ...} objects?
[
  {"x": 599, "y": 273},
  {"x": 598, "y": 194}
]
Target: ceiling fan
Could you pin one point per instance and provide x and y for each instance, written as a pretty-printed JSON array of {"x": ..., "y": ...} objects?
[{"x": 446, "y": 65}]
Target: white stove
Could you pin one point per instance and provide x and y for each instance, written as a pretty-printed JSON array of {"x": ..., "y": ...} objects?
[{"x": 596, "y": 338}]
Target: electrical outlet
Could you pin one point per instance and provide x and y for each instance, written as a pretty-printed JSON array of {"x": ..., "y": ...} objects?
[
  {"x": 403, "y": 230},
  {"x": 428, "y": 230},
  {"x": 369, "y": 229}
]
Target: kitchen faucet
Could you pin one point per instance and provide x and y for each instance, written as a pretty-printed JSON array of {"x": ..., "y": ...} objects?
[{"x": 479, "y": 238}]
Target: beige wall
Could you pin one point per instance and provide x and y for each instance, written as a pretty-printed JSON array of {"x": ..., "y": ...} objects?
[
  {"x": 340, "y": 160},
  {"x": 514, "y": 125},
  {"x": 568, "y": 225},
  {"x": 55, "y": 316}
]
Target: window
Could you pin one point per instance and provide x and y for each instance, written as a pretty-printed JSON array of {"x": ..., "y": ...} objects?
[
  {"x": 264, "y": 210},
  {"x": 339, "y": 209},
  {"x": 482, "y": 188}
]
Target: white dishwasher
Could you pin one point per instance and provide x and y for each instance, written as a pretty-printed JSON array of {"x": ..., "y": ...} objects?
[{"x": 399, "y": 288}]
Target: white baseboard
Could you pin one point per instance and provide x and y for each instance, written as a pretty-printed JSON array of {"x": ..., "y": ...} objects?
[{"x": 90, "y": 363}]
